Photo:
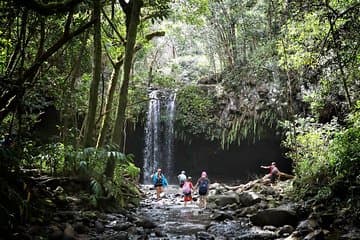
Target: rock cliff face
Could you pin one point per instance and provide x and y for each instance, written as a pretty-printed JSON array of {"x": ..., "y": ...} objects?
[{"x": 245, "y": 97}]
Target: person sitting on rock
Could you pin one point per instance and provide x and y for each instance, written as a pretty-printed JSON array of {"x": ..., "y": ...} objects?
[
  {"x": 273, "y": 174},
  {"x": 159, "y": 182}
]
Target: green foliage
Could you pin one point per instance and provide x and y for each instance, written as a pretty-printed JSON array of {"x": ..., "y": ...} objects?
[
  {"x": 344, "y": 151},
  {"x": 326, "y": 156},
  {"x": 91, "y": 165},
  {"x": 163, "y": 81},
  {"x": 308, "y": 145},
  {"x": 194, "y": 112},
  {"x": 299, "y": 46}
]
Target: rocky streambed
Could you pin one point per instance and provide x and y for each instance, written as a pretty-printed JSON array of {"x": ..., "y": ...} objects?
[{"x": 247, "y": 211}]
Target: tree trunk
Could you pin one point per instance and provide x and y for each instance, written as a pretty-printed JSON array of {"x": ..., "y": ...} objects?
[
  {"x": 117, "y": 136},
  {"x": 91, "y": 115},
  {"x": 109, "y": 103},
  {"x": 118, "y": 133}
]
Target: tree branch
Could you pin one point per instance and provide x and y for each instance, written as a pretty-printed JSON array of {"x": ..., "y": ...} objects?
[
  {"x": 49, "y": 8},
  {"x": 113, "y": 27}
]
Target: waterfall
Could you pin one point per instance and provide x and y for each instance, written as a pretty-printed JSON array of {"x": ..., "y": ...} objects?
[
  {"x": 159, "y": 134},
  {"x": 151, "y": 149},
  {"x": 169, "y": 135}
]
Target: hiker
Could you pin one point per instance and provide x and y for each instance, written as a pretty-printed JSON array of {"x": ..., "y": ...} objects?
[
  {"x": 187, "y": 188},
  {"x": 203, "y": 184},
  {"x": 159, "y": 182},
  {"x": 273, "y": 174},
  {"x": 182, "y": 178}
]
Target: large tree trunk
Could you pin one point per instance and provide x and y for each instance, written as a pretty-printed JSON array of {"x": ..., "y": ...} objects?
[
  {"x": 117, "y": 136},
  {"x": 109, "y": 103},
  {"x": 118, "y": 133},
  {"x": 68, "y": 114},
  {"x": 90, "y": 124}
]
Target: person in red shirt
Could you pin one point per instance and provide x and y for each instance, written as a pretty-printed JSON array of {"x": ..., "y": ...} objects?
[{"x": 273, "y": 172}]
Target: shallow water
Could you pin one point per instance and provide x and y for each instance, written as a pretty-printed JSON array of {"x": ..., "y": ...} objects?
[{"x": 173, "y": 218}]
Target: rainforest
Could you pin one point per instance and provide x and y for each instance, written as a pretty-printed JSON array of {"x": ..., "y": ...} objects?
[{"x": 99, "y": 96}]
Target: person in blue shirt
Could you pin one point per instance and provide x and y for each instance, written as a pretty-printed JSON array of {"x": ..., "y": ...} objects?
[{"x": 159, "y": 182}]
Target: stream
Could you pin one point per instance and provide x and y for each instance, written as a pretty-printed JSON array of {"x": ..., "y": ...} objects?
[
  {"x": 170, "y": 215},
  {"x": 175, "y": 221}
]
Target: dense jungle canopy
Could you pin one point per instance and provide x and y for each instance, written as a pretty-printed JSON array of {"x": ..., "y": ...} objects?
[{"x": 75, "y": 76}]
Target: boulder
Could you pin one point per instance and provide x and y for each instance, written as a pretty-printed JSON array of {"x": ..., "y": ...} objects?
[
  {"x": 204, "y": 236},
  {"x": 69, "y": 232},
  {"x": 221, "y": 216},
  {"x": 79, "y": 227},
  {"x": 249, "y": 198},
  {"x": 274, "y": 216},
  {"x": 224, "y": 199},
  {"x": 99, "y": 227},
  {"x": 55, "y": 233},
  {"x": 257, "y": 235},
  {"x": 145, "y": 223}
]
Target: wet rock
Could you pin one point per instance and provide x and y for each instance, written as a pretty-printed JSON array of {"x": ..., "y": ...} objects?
[
  {"x": 243, "y": 212},
  {"x": 204, "y": 236},
  {"x": 55, "y": 233},
  {"x": 73, "y": 199},
  {"x": 79, "y": 227},
  {"x": 249, "y": 198},
  {"x": 145, "y": 223},
  {"x": 294, "y": 236},
  {"x": 122, "y": 226},
  {"x": 230, "y": 206},
  {"x": 118, "y": 236},
  {"x": 316, "y": 235},
  {"x": 352, "y": 235},
  {"x": 99, "y": 227},
  {"x": 274, "y": 216},
  {"x": 269, "y": 228},
  {"x": 69, "y": 232},
  {"x": 158, "y": 233},
  {"x": 225, "y": 199},
  {"x": 59, "y": 190},
  {"x": 34, "y": 230},
  {"x": 307, "y": 226},
  {"x": 286, "y": 230},
  {"x": 257, "y": 234},
  {"x": 268, "y": 191},
  {"x": 221, "y": 216}
]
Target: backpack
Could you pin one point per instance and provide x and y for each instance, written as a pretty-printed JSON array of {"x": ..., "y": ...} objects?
[
  {"x": 203, "y": 187},
  {"x": 186, "y": 188}
]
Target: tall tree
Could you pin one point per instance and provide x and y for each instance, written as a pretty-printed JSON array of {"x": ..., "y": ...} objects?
[
  {"x": 32, "y": 48},
  {"x": 132, "y": 11},
  {"x": 90, "y": 123}
]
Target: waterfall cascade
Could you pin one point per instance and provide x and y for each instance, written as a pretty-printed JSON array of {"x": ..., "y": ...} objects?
[{"x": 159, "y": 134}]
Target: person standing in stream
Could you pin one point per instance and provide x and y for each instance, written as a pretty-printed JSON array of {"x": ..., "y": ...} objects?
[
  {"x": 203, "y": 184},
  {"x": 159, "y": 182},
  {"x": 181, "y": 178},
  {"x": 187, "y": 188}
]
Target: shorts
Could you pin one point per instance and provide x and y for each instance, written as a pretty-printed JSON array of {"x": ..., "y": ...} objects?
[
  {"x": 187, "y": 197},
  {"x": 158, "y": 185}
]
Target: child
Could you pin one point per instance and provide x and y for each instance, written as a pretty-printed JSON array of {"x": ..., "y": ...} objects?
[{"x": 187, "y": 188}]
